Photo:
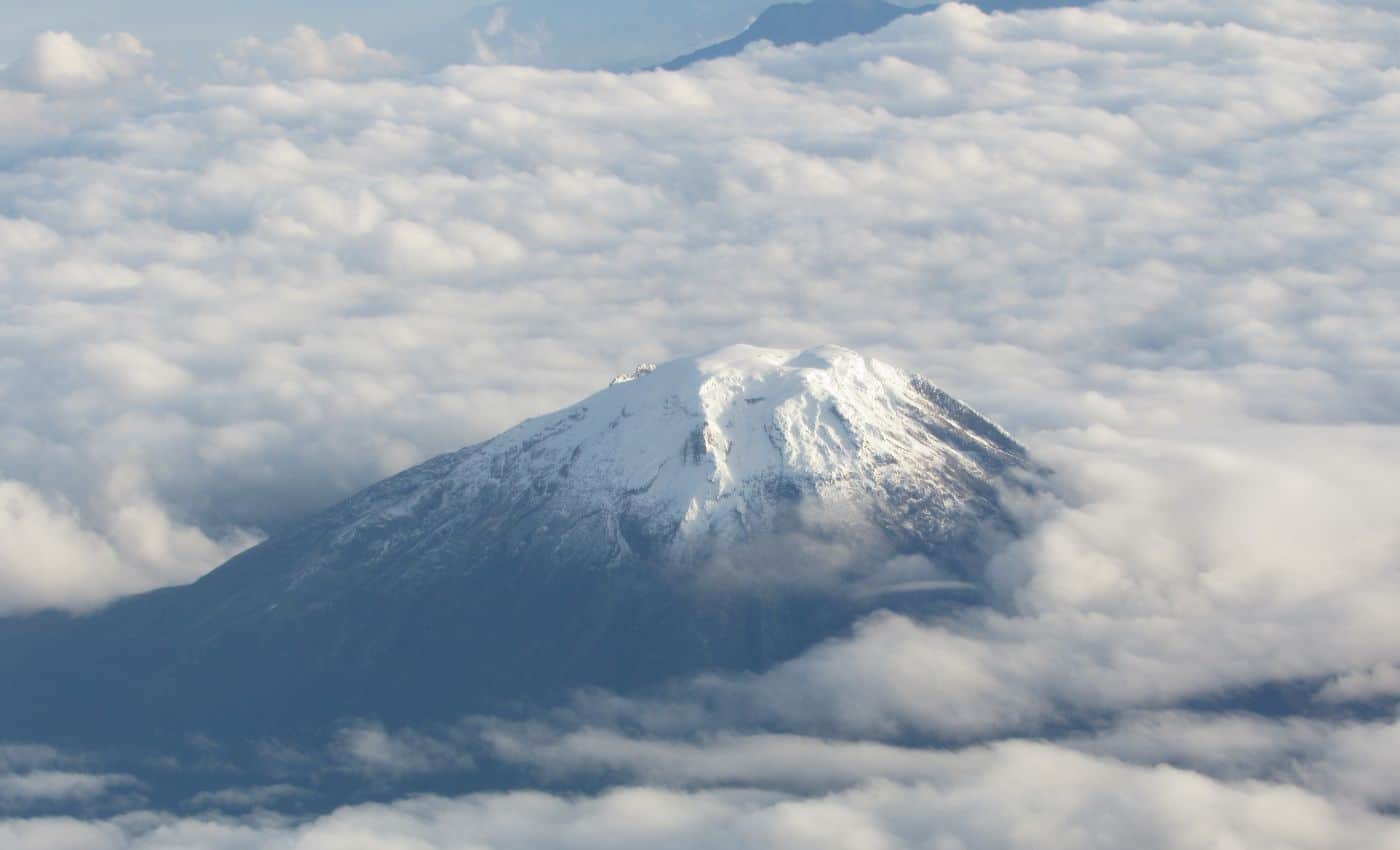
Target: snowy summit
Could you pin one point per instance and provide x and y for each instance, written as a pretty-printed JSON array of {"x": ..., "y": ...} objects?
[{"x": 714, "y": 448}]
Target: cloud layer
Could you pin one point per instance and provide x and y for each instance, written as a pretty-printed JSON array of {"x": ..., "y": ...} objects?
[
  {"x": 58, "y": 62},
  {"x": 995, "y": 798},
  {"x": 242, "y": 301},
  {"x": 1155, "y": 239}
]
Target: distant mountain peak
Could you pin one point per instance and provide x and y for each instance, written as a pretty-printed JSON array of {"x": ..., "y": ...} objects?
[{"x": 813, "y": 22}]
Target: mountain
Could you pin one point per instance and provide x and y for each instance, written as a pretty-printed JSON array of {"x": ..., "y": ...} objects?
[
  {"x": 820, "y": 21},
  {"x": 815, "y": 22},
  {"x": 716, "y": 512}
]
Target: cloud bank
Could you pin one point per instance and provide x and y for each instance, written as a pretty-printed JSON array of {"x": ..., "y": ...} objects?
[
  {"x": 250, "y": 299},
  {"x": 305, "y": 54},
  {"x": 990, "y": 799},
  {"x": 1154, "y": 239}
]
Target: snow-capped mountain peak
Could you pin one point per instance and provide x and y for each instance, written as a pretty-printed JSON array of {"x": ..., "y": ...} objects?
[
  {"x": 661, "y": 527},
  {"x": 715, "y": 448}
]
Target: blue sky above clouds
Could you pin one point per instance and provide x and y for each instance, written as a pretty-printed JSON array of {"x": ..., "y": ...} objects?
[
  {"x": 430, "y": 32},
  {"x": 1154, "y": 239}
]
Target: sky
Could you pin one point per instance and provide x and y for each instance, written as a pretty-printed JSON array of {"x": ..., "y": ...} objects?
[
  {"x": 430, "y": 33},
  {"x": 1155, "y": 240},
  {"x": 424, "y": 34}
]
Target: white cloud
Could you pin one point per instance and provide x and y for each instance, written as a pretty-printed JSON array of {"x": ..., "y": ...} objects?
[
  {"x": 1161, "y": 572},
  {"x": 1331, "y": 757},
  {"x": 305, "y": 53},
  {"x": 18, "y": 790},
  {"x": 370, "y": 748},
  {"x": 51, "y": 558},
  {"x": 60, "y": 64},
  {"x": 1340, "y": 760},
  {"x": 1380, "y": 681},
  {"x": 1004, "y": 796},
  {"x": 33, "y": 776},
  {"x": 496, "y": 41}
]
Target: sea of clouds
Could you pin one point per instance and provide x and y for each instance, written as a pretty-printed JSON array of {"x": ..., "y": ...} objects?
[{"x": 1159, "y": 241}]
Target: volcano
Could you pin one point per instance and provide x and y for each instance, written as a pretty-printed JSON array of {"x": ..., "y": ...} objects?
[
  {"x": 815, "y": 22},
  {"x": 719, "y": 512}
]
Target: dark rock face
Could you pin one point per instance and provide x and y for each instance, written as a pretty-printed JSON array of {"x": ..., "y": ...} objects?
[{"x": 218, "y": 658}]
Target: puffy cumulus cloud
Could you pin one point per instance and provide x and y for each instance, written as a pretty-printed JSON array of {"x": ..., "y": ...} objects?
[
  {"x": 1005, "y": 796},
  {"x": 39, "y": 532},
  {"x": 61, "y": 87},
  {"x": 52, "y": 559},
  {"x": 58, "y": 63},
  {"x": 1153, "y": 570},
  {"x": 305, "y": 53}
]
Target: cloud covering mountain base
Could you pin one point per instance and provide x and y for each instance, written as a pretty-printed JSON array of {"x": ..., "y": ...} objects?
[
  {"x": 1156, "y": 240},
  {"x": 1003, "y": 797}
]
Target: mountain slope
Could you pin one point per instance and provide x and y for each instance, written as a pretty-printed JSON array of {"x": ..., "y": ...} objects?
[
  {"x": 804, "y": 23},
  {"x": 820, "y": 21},
  {"x": 723, "y": 511}
]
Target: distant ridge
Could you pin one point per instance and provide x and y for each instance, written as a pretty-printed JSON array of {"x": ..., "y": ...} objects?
[
  {"x": 820, "y": 21},
  {"x": 805, "y": 23}
]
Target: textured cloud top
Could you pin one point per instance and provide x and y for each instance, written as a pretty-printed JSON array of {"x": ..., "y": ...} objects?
[
  {"x": 230, "y": 303},
  {"x": 1156, "y": 240}
]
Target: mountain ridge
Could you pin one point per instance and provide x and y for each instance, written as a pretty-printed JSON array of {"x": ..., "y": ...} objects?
[
  {"x": 814, "y": 22},
  {"x": 820, "y": 21}
]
